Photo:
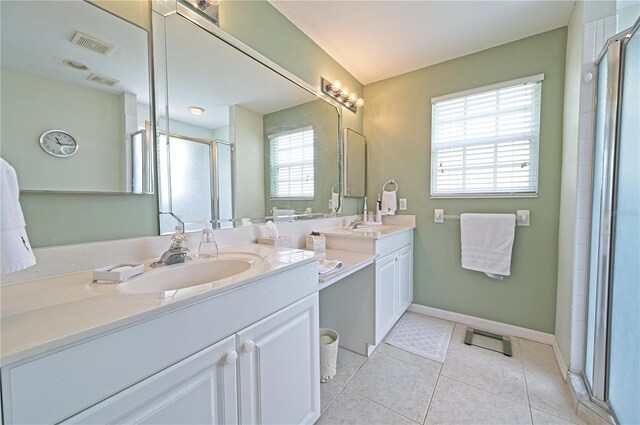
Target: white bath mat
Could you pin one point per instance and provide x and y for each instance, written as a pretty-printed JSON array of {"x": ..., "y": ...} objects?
[{"x": 422, "y": 335}]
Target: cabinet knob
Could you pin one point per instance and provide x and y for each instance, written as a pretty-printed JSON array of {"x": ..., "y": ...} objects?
[
  {"x": 249, "y": 346},
  {"x": 231, "y": 358}
]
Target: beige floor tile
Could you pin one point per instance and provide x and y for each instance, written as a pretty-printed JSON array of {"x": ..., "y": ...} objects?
[
  {"x": 457, "y": 403},
  {"x": 397, "y": 353},
  {"x": 538, "y": 356},
  {"x": 328, "y": 392},
  {"x": 352, "y": 409},
  {"x": 541, "y": 418},
  {"x": 486, "y": 369},
  {"x": 404, "y": 388},
  {"x": 348, "y": 364},
  {"x": 550, "y": 394}
]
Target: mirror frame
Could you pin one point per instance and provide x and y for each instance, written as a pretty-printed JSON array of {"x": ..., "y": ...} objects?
[
  {"x": 345, "y": 165},
  {"x": 170, "y": 7}
]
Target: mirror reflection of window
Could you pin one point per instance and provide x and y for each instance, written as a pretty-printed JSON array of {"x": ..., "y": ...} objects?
[{"x": 292, "y": 164}]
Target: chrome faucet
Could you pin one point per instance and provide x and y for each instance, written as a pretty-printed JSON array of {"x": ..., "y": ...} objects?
[
  {"x": 355, "y": 223},
  {"x": 176, "y": 253}
]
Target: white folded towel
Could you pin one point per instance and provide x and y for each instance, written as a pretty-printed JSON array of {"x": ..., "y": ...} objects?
[
  {"x": 389, "y": 203},
  {"x": 487, "y": 242},
  {"x": 335, "y": 202},
  {"x": 328, "y": 266},
  {"x": 15, "y": 250}
]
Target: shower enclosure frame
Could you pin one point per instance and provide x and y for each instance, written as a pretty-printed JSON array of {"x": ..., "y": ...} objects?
[{"x": 613, "y": 53}]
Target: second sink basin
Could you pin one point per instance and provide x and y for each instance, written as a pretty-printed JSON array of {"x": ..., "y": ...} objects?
[{"x": 190, "y": 273}]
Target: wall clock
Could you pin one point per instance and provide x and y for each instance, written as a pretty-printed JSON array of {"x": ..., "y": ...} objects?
[{"x": 58, "y": 143}]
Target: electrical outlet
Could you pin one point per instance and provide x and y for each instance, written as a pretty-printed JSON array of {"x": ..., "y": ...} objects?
[{"x": 403, "y": 204}]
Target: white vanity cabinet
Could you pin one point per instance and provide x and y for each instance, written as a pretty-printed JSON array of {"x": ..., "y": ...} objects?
[
  {"x": 250, "y": 355},
  {"x": 277, "y": 361},
  {"x": 381, "y": 295},
  {"x": 394, "y": 288},
  {"x": 200, "y": 389}
]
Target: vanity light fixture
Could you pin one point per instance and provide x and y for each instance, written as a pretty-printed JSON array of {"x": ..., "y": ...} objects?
[
  {"x": 342, "y": 94},
  {"x": 196, "y": 110}
]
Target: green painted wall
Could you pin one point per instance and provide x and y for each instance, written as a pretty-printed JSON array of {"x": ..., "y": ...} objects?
[
  {"x": 85, "y": 217},
  {"x": 397, "y": 123}
]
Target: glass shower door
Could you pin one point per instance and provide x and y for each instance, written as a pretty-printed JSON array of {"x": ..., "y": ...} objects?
[{"x": 624, "y": 327}]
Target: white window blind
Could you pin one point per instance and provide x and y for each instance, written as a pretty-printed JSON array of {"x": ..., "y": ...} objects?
[
  {"x": 484, "y": 142},
  {"x": 292, "y": 164}
]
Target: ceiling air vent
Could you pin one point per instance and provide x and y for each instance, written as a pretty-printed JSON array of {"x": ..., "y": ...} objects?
[
  {"x": 92, "y": 43},
  {"x": 100, "y": 79}
]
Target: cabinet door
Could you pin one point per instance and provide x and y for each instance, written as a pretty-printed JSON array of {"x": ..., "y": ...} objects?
[
  {"x": 280, "y": 367},
  {"x": 405, "y": 278},
  {"x": 200, "y": 389},
  {"x": 386, "y": 295}
]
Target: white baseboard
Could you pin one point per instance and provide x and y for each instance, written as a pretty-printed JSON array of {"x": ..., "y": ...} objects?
[
  {"x": 488, "y": 325},
  {"x": 561, "y": 363}
]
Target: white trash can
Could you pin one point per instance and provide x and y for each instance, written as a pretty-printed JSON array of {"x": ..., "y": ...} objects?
[{"x": 328, "y": 354}]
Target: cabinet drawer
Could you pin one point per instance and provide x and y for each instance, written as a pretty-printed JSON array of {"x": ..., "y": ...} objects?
[{"x": 393, "y": 243}]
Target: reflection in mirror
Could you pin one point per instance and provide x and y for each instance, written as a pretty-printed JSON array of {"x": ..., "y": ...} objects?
[
  {"x": 354, "y": 164},
  {"x": 244, "y": 141},
  {"x": 74, "y": 67}
]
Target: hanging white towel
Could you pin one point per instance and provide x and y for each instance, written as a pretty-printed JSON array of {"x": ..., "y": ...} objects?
[
  {"x": 487, "y": 242},
  {"x": 15, "y": 250},
  {"x": 389, "y": 203},
  {"x": 335, "y": 202}
]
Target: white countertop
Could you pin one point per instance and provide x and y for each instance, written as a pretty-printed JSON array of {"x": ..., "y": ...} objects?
[
  {"x": 367, "y": 232},
  {"x": 351, "y": 263},
  {"x": 45, "y": 314}
]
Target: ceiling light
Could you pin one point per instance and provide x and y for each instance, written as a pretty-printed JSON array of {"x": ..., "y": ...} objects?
[
  {"x": 342, "y": 94},
  {"x": 75, "y": 65},
  {"x": 196, "y": 110}
]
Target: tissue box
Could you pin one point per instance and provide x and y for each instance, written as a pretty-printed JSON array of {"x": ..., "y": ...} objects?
[
  {"x": 281, "y": 241},
  {"x": 316, "y": 243}
]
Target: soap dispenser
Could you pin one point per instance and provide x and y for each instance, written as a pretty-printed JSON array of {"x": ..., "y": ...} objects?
[{"x": 208, "y": 246}]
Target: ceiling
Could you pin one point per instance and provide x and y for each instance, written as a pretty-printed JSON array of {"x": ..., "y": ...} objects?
[
  {"x": 36, "y": 39},
  {"x": 375, "y": 40}
]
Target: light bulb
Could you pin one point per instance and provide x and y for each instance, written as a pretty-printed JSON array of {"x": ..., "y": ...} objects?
[
  {"x": 360, "y": 102},
  {"x": 336, "y": 85},
  {"x": 344, "y": 92},
  {"x": 353, "y": 97}
]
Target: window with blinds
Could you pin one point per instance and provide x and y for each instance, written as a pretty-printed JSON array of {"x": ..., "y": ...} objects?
[
  {"x": 484, "y": 142},
  {"x": 292, "y": 164}
]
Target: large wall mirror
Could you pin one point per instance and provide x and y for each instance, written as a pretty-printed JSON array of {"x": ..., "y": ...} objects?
[
  {"x": 236, "y": 139},
  {"x": 72, "y": 67}
]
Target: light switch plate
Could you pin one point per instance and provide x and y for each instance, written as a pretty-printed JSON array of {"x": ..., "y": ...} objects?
[
  {"x": 438, "y": 215},
  {"x": 523, "y": 217},
  {"x": 403, "y": 204}
]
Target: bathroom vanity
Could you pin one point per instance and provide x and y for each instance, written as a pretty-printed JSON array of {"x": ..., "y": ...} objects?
[
  {"x": 363, "y": 307},
  {"x": 243, "y": 349}
]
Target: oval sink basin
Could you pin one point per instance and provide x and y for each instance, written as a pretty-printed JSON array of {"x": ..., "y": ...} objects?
[{"x": 191, "y": 273}]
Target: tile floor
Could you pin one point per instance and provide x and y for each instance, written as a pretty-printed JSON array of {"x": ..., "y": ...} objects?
[{"x": 473, "y": 386}]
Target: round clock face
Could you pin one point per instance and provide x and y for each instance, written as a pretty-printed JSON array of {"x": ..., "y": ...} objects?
[{"x": 58, "y": 143}]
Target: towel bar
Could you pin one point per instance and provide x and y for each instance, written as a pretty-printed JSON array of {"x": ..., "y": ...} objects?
[{"x": 523, "y": 217}]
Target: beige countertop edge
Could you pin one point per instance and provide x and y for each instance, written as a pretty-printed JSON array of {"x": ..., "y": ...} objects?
[{"x": 12, "y": 353}]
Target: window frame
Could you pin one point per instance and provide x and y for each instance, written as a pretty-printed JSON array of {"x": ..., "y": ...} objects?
[
  {"x": 273, "y": 167},
  {"x": 534, "y": 154}
]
